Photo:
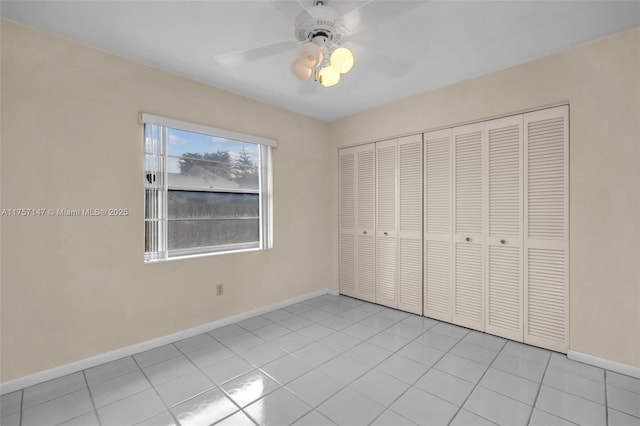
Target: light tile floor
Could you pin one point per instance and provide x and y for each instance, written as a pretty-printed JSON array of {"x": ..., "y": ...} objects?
[{"x": 333, "y": 360}]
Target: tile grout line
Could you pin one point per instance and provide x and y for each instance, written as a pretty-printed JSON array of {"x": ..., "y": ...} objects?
[
  {"x": 50, "y": 399},
  {"x": 526, "y": 378},
  {"x": 215, "y": 385},
  {"x": 478, "y": 383},
  {"x": 340, "y": 352},
  {"x": 344, "y": 386},
  {"x": 283, "y": 386},
  {"x": 230, "y": 415},
  {"x": 388, "y": 407},
  {"x": 576, "y": 395},
  {"x": 157, "y": 362},
  {"x": 555, "y": 387},
  {"x": 156, "y": 391},
  {"x": 249, "y": 331},
  {"x": 379, "y": 331},
  {"x": 21, "y": 406},
  {"x": 112, "y": 402},
  {"x": 93, "y": 403},
  {"x": 415, "y": 339},
  {"x": 432, "y": 367},
  {"x": 237, "y": 354},
  {"x": 535, "y": 400},
  {"x": 606, "y": 402}
]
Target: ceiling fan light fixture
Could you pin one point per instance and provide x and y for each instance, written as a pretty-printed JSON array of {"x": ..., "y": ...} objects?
[
  {"x": 311, "y": 55},
  {"x": 319, "y": 30},
  {"x": 329, "y": 76},
  {"x": 342, "y": 60},
  {"x": 299, "y": 70}
]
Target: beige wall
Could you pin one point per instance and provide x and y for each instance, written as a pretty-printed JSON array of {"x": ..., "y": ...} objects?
[
  {"x": 77, "y": 287},
  {"x": 601, "y": 81}
]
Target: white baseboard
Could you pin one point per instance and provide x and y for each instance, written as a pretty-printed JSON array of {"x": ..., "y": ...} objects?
[
  {"x": 63, "y": 370},
  {"x": 617, "y": 367}
]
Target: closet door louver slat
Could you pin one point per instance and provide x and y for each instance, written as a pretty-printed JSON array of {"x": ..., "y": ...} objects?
[
  {"x": 468, "y": 221},
  {"x": 365, "y": 188},
  {"x": 437, "y": 228},
  {"x": 365, "y": 218},
  {"x": 468, "y": 225},
  {"x": 504, "y": 289},
  {"x": 410, "y": 224},
  {"x": 365, "y": 270},
  {"x": 348, "y": 264},
  {"x": 347, "y": 217},
  {"x": 468, "y": 290},
  {"x": 546, "y": 243},
  {"x": 386, "y": 216}
]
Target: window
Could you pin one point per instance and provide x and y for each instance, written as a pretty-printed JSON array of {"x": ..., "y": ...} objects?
[{"x": 207, "y": 190}]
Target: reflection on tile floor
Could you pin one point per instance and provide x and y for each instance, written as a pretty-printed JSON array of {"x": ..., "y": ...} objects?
[{"x": 333, "y": 360}]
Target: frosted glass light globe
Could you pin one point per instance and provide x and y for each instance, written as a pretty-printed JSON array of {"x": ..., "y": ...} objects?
[
  {"x": 299, "y": 70},
  {"x": 329, "y": 76},
  {"x": 342, "y": 60},
  {"x": 311, "y": 55}
]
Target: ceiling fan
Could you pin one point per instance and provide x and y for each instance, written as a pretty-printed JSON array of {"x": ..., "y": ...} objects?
[{"x": 321, "y": 30}]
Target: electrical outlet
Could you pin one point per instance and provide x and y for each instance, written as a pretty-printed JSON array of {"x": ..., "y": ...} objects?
[{"x": 219, "y": 289}]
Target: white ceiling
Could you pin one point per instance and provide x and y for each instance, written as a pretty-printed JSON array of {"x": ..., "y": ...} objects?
[{"x": 411, "y": 46}]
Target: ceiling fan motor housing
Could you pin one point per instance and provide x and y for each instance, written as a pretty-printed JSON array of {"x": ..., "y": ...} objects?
[{"x": 318, "y": 24}]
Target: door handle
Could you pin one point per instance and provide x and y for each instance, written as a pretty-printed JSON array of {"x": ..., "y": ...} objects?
[
  {"x": 503, "y": 241},
  {"x": 386, "y": 233},
  {"x": 467, "y": 239},
  {"x": 364, "y": 232}
]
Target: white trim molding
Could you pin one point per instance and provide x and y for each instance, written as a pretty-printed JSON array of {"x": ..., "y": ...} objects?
[
  {"x": 614, "y": 366},
  {"x": 83, "y": 364},
  {"x": 146, "y": 118}
]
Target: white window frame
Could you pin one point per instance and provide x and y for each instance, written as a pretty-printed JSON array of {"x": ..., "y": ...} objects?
[{"x": 159, "y": 212}]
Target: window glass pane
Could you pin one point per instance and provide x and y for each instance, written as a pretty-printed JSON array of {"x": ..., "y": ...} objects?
[
  {"x": 196, "y": 145},
  {"x": 203, "y": 193},
  {"x": 188, "y": 172},
  {"x": 185, "y": 234},
  {"x": 204, "y": 219},
  {"x": 212, "y": 205}
]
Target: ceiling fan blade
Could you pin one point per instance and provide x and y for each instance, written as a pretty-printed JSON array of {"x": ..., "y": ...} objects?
[
  {"x": 388, "y": 64},
  {"x": 238, "y": 58},
  {"x": 375, "y": 12},
  {"x": 289, "y": 9}
]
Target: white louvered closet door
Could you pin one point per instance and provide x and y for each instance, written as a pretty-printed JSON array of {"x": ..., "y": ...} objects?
[
  {"x": 468, "y": 221},
  {"x": 410, "y": 224},
  {"x": 386, "y": 223},
  {"x": 546, "y": 241},
  {"x": 347, "y": 218},
  {"x": 365, "y": 222},
  {"x": 503, "y": 174},
  {"x": 437, "y": 225}
]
